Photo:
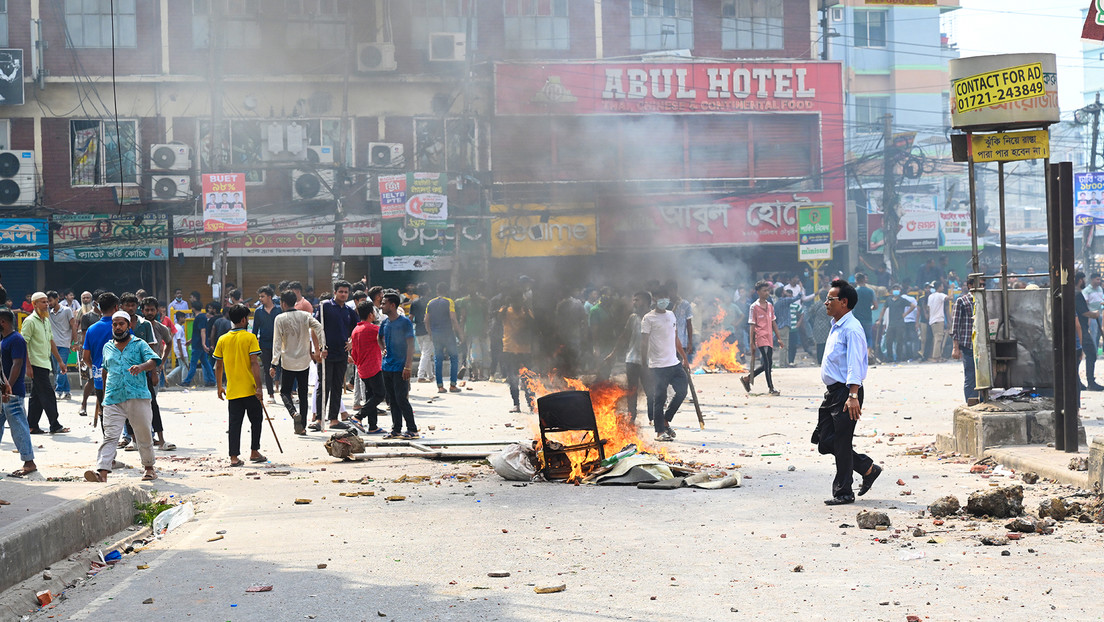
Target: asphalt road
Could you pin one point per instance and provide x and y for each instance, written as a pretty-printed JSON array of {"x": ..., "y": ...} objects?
[{"x": 622, "y": 553}]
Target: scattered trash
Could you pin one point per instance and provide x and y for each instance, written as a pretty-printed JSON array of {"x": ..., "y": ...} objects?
[
  {"x": 148, "y": 601},
  {"x": 1029, "y": 477},
  {"x": 142, "y": 566},
  {"x": 551, "y": 589},
  {"x": 871, "y": 519},
  {"x": 998, "y": 503},
  {"x": 112, "y": 557},
  {"x": 173, "y": 517},
  {"x": 906, "y": 556},
  {"x": 344, "y": 443},
  {"x": 302, "y": 501},
  {"x": 259, "y": 588},
  {"x": 44, "y": 598},
  {"x": 498, "y": 575},
  {"x": 517, "y": 462},
  {"x": 396, "y": 498},
  {"x": 1080, "y": 463}
]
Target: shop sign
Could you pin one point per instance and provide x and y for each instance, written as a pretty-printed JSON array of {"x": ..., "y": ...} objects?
[
  {"x": 538, "y": 231},
  {"x": 814, "y": 232},
  {"x": 23, "y": 239},
  {"x": 280, "y": 236},
  {"x": 919, "y": 231},
  {"x": 101, "y": 237}
]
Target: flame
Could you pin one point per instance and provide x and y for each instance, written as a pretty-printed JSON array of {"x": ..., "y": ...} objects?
[
  {"x": 716, "y": 355},
  {"x": 615, "y": 427}
]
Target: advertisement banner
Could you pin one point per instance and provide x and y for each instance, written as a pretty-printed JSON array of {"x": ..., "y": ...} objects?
[
  {"x": 814, "y": 232},
  {"x": 426, "y": 201},
  {"x": 731, "y": 221},
  {"x": 1010, "y": 146},
  {"x": 954, "y": 231},
  {"x": 224, "y": 202},
  {"x": 392, "y": 192},
  {"x": 100, "y": 237},
  {"x": 532, "y": 230},
  {"x": 415, "y": 248},
  {"x": 919, "y": 231},
  {"x": 579, "y": 88},
  {"x": 23, "y": 239},
  {"x": 1093, "y": 28},
  {"x": 11, "y": 77},
  {"x": 281, "y": 236},
  {"x": 1088, "y": 193},
  {"x": 875, "y": 232}
]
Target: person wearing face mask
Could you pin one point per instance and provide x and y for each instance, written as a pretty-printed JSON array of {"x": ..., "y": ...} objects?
[
  {"x": 635, "y": 376},
  {"x": 893, "y": 318},
  {"x": 126, "y": 361},
  {"x": 661, "y": 348},
  {"x": 179, "y": 304},
  {"x": 937, "y": 319}
]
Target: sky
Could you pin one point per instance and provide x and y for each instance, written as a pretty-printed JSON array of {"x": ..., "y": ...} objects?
[{"x": 1006, "y": 26}]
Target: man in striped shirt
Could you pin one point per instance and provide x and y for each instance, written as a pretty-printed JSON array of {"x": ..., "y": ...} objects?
[{"x": 962, "y": 330}]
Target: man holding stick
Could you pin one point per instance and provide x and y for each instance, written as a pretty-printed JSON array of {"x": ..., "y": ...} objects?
[{"x": 238, "y": 354}]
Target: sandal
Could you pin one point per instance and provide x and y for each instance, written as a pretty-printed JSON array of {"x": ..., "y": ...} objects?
[
  {"x": 21, "y": 472},
  {"x": 260, "y": 458},
  {"x": 149, "y": 477},
  {"x": 239, "y": 463},
  {"x": 124, "y": 443},
  {"x": 83, "y": 413},
  {"x": 167, "y": 447},
  {"x": 93, "y": 476},
  {"x": 60, "y": 431}
]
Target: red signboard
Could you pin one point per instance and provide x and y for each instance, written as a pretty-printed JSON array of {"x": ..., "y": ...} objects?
[
  {"x": 1093, "y": 30},
  {"x": 657, "y": 88},
  {"x": 732, "y": 221}
]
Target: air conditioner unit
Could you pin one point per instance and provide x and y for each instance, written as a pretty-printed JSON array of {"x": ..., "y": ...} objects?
[
  {"x": 312, "y": 185},
  {"x": 386, "y": 155},
  {"x": 320, "y": 154},
  {"x": 447, "y": 46},
  {"x": 170, "y": 187},
  {"x": 170, "y": 157},
  {"x": 372, "y": 57},
  {"x": 837, "y": 14},
  {"x": 17, "y": 178}
]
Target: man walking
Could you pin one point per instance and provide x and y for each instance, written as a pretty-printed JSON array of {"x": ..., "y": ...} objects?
[
  {"x": 444, "y": 328},
  {"x": 962, "y": 332},
  {"x": 160, "y": 345},
  {"x": 396, "y": 339},
  {"x": 238, "y": 355},
  {"x": 763, "y": 327},
  {"x": 126, "y": 361},
  {"x": 41, "y": 349},
  {"x": 13, "y": 355},
  {"x": 937, "y": 319},
  {"x": 86, "y": 318},
  {"x": 863, "y": 311},
  {"x": 199, "y": 350},
  {"x": 421, "y": 333},
  {"x": 263, "y": 318},
  {"x": 660, "y": 347},
  {"x": 338, "y": 321},
  {"x": 635, "y": 378},
  {"x": 293, "y": 333},
  {"x": 368, "y": 358},
  {"x": 63, "y": 324},
  {"x": 843, "y": 371},
  {"x": 893, "y": 318}
]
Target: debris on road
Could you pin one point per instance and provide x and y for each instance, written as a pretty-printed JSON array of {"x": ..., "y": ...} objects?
[
  {"x": 215, "y": 539},
  {"x": 302, "y": 501},
  {"x": 945, "y": 506},
  {"x": 498, "y": 575},
  {"x": 551, "y": 589},
  {"x": 259, "y": 588},
  {"x": 871, "y": 519},
  {"x": 998, "y": 503}
]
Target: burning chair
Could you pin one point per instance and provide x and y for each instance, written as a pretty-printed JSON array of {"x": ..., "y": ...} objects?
[{"x": 568, "y": 411}]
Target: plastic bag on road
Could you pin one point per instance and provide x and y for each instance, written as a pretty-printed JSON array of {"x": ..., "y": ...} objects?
[
  {"x": 173, "y": 517},
  {"x": 518, "y": 462}
]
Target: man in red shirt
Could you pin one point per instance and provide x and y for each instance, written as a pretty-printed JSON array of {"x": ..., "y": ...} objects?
[{"x": 365, "y": 353}]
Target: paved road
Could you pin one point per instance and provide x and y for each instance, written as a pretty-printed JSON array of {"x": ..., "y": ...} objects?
[{"x": 623, "y": 553}]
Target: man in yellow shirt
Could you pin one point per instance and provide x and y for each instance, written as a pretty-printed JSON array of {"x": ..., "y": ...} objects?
[{"x": 238, "y": 354}]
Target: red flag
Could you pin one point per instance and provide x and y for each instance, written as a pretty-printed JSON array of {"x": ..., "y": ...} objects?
[{"x": 1094, "y": 23}]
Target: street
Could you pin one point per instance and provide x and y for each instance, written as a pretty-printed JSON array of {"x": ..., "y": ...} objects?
[{"x": 769, "y": 550}]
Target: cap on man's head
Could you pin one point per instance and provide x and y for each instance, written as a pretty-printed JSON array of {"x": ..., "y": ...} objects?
[
  {"x": 35, "y": 297},
  {"x": 120, "y": 315}
]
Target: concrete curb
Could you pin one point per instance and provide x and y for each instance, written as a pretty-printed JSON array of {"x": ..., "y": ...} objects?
[
  {"x": 1006, "y": 456},
  {"x": 21, "y": 599},
  {"x": 38, "y": 541}
]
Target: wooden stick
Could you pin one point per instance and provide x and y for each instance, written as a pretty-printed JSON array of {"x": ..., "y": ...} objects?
[
  {"x": 270, "y": 425},
  {"x": 694, "y": 394}
]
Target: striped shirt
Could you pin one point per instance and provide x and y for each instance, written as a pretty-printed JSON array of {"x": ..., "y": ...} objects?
[{"x": 962, "y": 328}]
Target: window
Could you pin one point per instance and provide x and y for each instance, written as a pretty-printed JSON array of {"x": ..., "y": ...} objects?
[
  {"x": 250, "y": 143},
  {"x": 752, "y": 25},
  {"x": 870, "y": 29},
  {"x": 317, "y": 24},
  {"x": 4, "y": 25},
  {"x": 870, "y": 113},
  {"x": 88, "y": 23},
  {"x": 537, "y": 25},
  {"x": 428, "y": 16},
  {"x": 661, "y": 24},
  {"x": 447, "y": 145},
  {"x": 238, "y": 19},
  {"x": 102, "y": 152}
]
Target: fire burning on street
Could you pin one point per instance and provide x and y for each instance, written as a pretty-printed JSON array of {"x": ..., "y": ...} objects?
[
  {"x": 716, "y": 354},
  {"x": 615, "y": 427}
]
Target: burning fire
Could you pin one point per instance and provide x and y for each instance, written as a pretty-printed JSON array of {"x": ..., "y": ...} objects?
[
  {"x": 614, "y": 425},
  {"x": 717, "y": 355}
]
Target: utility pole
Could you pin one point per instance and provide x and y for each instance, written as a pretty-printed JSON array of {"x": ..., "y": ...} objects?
[
  {"x": 1087, "y": 233},
  {"x": 337, "y": 265},
  {"x": 214, "y": 31},
  {"x": 824, "y": 9},
  {"x": 891, "y": 220}
]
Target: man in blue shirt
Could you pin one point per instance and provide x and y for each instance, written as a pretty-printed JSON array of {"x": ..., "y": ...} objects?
[
  {"x": 199, "y": 350},
  {"x": 126, "y": 361},
  {"x": 444, "y": 329},
  {"x": 263, "y": 318},
  {"x": 13, "y": 353},
  {"x": 396, "y": 338},
  {"x": 338, "y": 322},
  {"x": 95, "y": 338},
  {"x": 843, "y": 371}
]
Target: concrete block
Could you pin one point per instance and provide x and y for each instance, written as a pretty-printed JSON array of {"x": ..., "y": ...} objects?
[
  {"x": 977, "y": 429},
  {"x": 1096, "y": 463},
  {"x": 39, "y": 540}
]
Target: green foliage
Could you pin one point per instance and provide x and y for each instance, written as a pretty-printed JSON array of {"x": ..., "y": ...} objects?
[{"x": 149, "y": 511}]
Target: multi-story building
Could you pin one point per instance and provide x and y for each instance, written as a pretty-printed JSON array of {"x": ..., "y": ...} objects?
[{"x": 592, "y": 131}]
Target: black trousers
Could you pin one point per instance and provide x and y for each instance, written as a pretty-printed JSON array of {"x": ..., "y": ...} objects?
[
  {"x": 398, "y": 399},
  {"x": 266, "y": 364},
  {"x": 296, "y": 380},
  {"x": 240, "y": 408},
  {"x": 834, "y": 434},
  {"x": 42, "y": 399},
  {"x": 335, "y": 386},
  {"x": 766, "y": 363},
  {"x": 374, "y": 395},
  {"x": 636, "y": 377}
]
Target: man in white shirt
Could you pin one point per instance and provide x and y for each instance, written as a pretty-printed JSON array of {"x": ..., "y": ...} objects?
[
  {"x": 179, "y": 304},
  {"x": 661, "y": 349},
  {"x": 294, "y": 332},
  {"x": 1094, "y": 297},
  {"x": 937, "y": 320}
]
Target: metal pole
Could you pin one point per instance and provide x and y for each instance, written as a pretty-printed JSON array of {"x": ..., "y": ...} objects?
[
  {"x": 1072, "y": 390},
  {"x": 1004, "y": 251},
  {"x": 976, "y": 263},
  {"x": 1055, "y": 264}
]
